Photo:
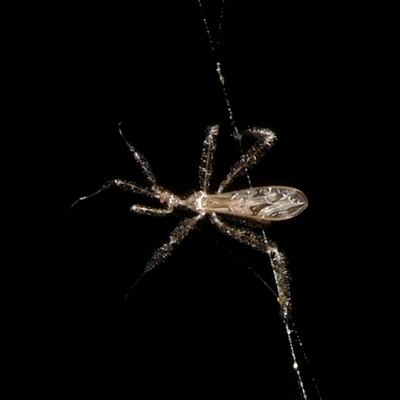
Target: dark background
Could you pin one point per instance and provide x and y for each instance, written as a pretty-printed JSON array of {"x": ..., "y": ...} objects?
[{"x": 201, "y": 321}]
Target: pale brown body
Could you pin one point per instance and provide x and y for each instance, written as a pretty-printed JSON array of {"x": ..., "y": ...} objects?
[{"x": 261, "y": 204}]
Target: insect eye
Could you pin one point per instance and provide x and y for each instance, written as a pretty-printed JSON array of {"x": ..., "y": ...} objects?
[{"x": 164, "y": 198}]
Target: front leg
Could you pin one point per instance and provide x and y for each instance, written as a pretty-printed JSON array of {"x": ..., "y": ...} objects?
[
  {"x": 153, "y": 211},
  {"x": 165, "y": 197}
]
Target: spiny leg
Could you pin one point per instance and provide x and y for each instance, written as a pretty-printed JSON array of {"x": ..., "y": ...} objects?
[
  {"x": 153, "y": 211},
  {"x": 207, "y": 157},
  {"x": 122, "y": 184},
  {"x": 266, "y": 139},
  {"x": 165, "y": 197},
  {"x": 278, "y": 261},
  {"x": 281, "y": 276},
  {"x": 176, "y": 236}
]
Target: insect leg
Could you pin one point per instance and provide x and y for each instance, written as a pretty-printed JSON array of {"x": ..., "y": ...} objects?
[
  {"x": 176, "y": 236},
  {"x": 266, "y": 139},
  {"x": 153, "y": 211},
  {"x": 278, "y": 261},
  {"x": 207, "y": 156}
]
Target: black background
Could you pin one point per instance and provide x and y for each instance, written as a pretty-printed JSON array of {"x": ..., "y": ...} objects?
[{"x": 201, "y": 322}]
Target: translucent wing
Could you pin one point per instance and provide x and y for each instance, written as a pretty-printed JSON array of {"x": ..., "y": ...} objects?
[{"x": 270, "y": 203}]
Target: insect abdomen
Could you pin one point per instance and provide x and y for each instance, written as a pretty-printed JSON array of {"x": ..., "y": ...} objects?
[{"x": 270, "y": 203}]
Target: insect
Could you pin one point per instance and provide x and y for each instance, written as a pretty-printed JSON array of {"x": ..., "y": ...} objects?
[
  {"x": 250, "y": 206},
  {"x": 260, "y": 204}
]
